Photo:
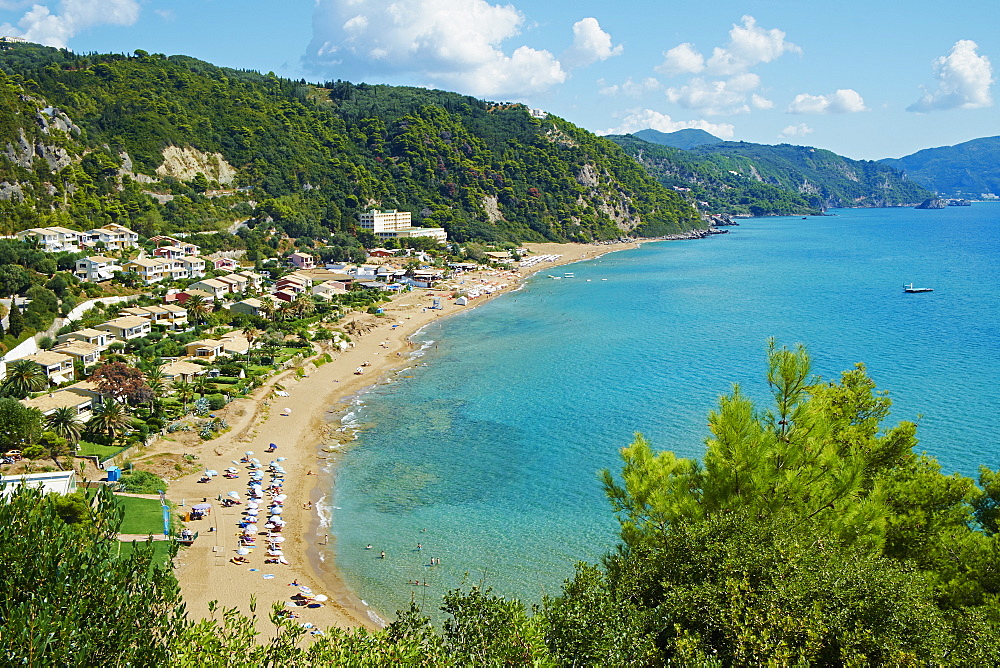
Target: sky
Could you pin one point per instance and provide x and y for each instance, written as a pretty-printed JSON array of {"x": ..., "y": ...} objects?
[{"x": 868, "y": 80}]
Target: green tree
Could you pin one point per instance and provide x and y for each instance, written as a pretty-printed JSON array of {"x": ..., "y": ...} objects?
[
  {"x": 65, "y": 422},
  {"x": 23, "y": 378},
  {"x": 15, "y": 321},
  {"x": 111, "y": 419},
  {"x": 68, "y": 599}
]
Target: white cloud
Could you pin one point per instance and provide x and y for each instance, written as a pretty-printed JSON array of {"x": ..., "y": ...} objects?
[
  {"x": 590, "y": 44},
  {"x": 844, "y": 101},
  {"x": 749, "y": 45},
  {"x": 721, "y": 96},
  {"x": 458, "y": 44},
  {"x": 682, "y": 59},
  {"x": 39, "y": 24},
  {"x": 642, "y": 119},
  {"x": 800, "y": 130},
  {"x": 963, "y": 81},
  {"x": 630, "y": 88}
]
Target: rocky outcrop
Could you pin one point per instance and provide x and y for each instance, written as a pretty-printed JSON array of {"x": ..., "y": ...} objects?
[
  {"x": 25, "y": 152},
  {"x": 932, "y": 203},
  {"x": 184, "y": 163}
]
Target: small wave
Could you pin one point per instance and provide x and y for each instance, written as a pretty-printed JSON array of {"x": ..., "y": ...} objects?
[
  {"x": 324, "y": 512},
  {"x": 375, "y": 618}
]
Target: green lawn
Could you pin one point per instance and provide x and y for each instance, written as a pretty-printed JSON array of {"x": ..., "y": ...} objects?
[
  {"x": 161, "y": 551},
  {"x": 103, "y": 452},
  {"x": 142, "y": 516}
]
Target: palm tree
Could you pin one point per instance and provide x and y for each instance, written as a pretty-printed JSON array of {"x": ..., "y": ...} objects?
[
  {"x": 197, "y": 309},
  {"x": 66, "y": 422},
  {"x": 111, "y": 418},
  {"x": 24, "y": 377},
  {"x": 267, "y": 306},
  {"x": 184, "y": 391},
  {"x": 303, "y": 305},
  {"x": 156, "y": 382}
]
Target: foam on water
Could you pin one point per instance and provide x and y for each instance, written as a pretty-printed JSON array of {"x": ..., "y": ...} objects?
[{"x": 488, "y": 456}]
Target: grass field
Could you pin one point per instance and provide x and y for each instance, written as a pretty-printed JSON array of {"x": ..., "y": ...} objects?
[
  {"x": 161, "y": 551},
  {"x": 102, "y": 452},
  {"x": 142, "y": 516}
]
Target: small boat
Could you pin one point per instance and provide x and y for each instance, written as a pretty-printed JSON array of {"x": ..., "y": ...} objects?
[
  {"x": 910, "y": 288},
  {"x": 569, "y": 274}
]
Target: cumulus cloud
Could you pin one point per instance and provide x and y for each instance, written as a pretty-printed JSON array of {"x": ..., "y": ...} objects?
[
  {"x": 844, "y": 101},
  {"x": 40, "y": 24},
  {"x": 799, "y": 130},
  {"x": 630, "y": 88},
  {"x": 720, "y": 96},
  {"x": 963, "y": 81},
  {"x": 642, "y": 119},
  {"x": 749, "y": 45},
  {"x": 458, "y": 44},
  {"x": 590, "y": 44},
  {"x": 682, "y": 59}
]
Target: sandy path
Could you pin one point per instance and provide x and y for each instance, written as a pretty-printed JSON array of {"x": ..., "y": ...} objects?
[{"x": 204, "y": 570}]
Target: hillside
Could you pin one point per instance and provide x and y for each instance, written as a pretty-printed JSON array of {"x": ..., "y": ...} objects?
[
  {"x": 969, "y": 169},
  {"x": 758, "y": 179},
  {"x": 166, "y": 144}
]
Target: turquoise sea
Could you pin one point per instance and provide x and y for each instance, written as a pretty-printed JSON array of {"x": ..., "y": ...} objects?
[{"x": 487, "y": 451}]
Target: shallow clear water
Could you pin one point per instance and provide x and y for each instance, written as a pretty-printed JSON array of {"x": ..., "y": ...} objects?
[{"x": 487, "y": 452}]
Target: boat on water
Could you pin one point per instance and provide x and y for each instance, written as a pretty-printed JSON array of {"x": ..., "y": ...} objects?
[
  {"x": 569, "y": 274},
  {"x": 909, "y": 288}
]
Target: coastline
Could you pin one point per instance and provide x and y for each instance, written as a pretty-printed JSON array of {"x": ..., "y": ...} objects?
[{"x": 311, "y": 445}]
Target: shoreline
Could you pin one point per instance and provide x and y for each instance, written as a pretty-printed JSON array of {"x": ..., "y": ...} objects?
[{"x": 300, "y": 423}]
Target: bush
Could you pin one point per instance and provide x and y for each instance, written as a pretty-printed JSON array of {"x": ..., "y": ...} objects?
[
  {"x": 216, "y": 402},
  {"x": 142, "y": 482}
]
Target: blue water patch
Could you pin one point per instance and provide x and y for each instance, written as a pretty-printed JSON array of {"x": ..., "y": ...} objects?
[{"x": 488, "y": 456}]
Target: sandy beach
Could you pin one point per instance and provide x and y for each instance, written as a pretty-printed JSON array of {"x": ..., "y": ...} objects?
[{"x": 299, "y": 424}]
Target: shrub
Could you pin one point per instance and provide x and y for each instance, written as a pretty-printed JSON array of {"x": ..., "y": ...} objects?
[
  {"x": 216, "y": 402},
  {"x": 142, "y": 482}
]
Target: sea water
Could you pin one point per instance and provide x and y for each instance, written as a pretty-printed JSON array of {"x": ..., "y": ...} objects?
[{"x": 486, "y": 453}]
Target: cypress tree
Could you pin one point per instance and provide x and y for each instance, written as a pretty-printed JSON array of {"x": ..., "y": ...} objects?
[{"x": 15, "y": 321}]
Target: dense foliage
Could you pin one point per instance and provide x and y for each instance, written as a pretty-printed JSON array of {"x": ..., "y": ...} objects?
[
  {"x": 969, "y": 169},
  {"x": 311, "y": 157},
  {"x": 740, "y": 177}
]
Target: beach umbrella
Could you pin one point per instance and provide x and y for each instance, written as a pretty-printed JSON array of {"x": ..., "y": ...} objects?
[
  {"x": 233, "y": 495},
  {"x": 277, "y": 510},
  {"x": 305, "y": 590},
  {"x": 320, "y": 597},
  {"x": 273, "y": 445},
  {"x": 253, "y": 504},
  {"x": 243, "y": 551},
  {"x": 280, "y": 459},
  {"x": 277, "y": 539},
  {"x": 211, "y": 473},
  {"x": 275, "y": 553},
  {"x": 274, "y": 518},
  {"x": 248, "y": 453},
  {"x": 232, "y": 469},
  {"x": 281, "y": 497},
  {"x": 252, "y": 512},
  {"x": 202, "y": 506},
  {"x": 254, "y": 460}
]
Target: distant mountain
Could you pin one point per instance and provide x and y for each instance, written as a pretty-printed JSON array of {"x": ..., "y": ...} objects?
[
  {"x": 683, "y": 139},
  {"x": 968, "y": 169},
  {"x": 759, "y": 179}
]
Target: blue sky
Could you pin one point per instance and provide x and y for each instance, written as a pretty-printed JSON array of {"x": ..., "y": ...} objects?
[{"x": 868, "y": 79}]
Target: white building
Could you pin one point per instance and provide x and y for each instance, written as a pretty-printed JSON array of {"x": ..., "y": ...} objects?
[
  {"x": 390, "y": 223},
  {"x": 60, "y": 482},
  {"x": 96, "y": 268}
]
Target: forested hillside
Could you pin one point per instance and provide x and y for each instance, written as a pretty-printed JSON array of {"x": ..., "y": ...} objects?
[
  {"x": 757, "y": 179},
  {"x": 164, "y": 144},
  {"x": 969, "y": 169}
]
